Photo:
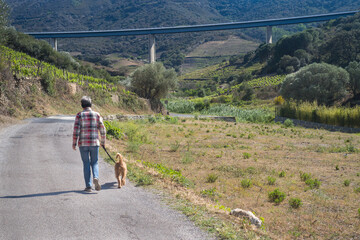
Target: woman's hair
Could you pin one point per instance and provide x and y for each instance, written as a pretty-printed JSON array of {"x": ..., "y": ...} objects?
[{"x": 85, "y": 102}]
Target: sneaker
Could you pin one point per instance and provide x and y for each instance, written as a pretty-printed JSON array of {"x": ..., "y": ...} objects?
[
  {"x": 97, "y": 185},
  {"x": 87, "y": 189}
]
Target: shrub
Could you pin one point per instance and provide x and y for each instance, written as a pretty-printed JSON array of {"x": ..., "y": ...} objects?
[
  {"x": 276, "y": 196},
  {"x": 174, "y": 147},
  {"x": 246, "y": 183},
  {"x": 112, "y": 130},
  {"x": 271, "y": 180},
  {"x": 48, "y": 83},
  {"x": 288, "y": 123},
  {"x": 279, "y": 100},
  {"x": 211, "y": 178},
  {"x": 201, "y": 105},
  {"x": 319, "y": 82},
  {"x": 347, "y": 183},
  {"x": 248, "y": 93},
  {"x": 295, "y": 202},
  {"x": 282, "y": 174},
  {"x": 357, "y": 190},
  {"x": 305, "y": 176},
  {"x": 313, "y": 183},
  {"x": 246, "y": 155}
]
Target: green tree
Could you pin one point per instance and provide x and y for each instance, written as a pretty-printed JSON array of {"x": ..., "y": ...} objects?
[
  {"x": 303, "y": 56},
  {"x": 319, "y": 82},
  {"x": 153, "y": 81},
  {"x": 289, "y": 44},
  {"x": 354, "y": 72},
  {"x": 342, "y": 48},
  {"x": 288, "y": 64},
  {"x": 4, "y": 13},
  {"x": 172, "y": 59}
]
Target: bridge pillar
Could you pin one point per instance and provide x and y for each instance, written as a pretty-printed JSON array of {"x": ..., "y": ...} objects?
[
  {"x": 152, "y": 50},
  {"x": 268, "y": 34},
  {"x": 54, "y": 44}
]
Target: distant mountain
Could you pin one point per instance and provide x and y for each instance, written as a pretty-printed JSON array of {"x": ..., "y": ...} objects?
[
  {"x": 69, "y": 15},
  {"x": 54, "y": 15},
  {"x": 240, "y": 10}
]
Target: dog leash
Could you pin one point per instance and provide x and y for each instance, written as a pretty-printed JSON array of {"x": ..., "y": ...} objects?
[{"x": 108, "y": 154}]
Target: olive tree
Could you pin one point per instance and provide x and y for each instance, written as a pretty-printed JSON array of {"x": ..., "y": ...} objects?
[
  {"x": 319, "y": 82},
  {"x": 354, "y": 72},
  {"x": 153, "y": 81}
]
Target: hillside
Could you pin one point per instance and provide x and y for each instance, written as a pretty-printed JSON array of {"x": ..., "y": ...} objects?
[
  {"x": 105, "y": 14},
  {"x": 42, "y": 15},
  {"x": 89, "y": 15},
  {"x": 32, "y": 88},
  {"x": 290, "y": 53}
]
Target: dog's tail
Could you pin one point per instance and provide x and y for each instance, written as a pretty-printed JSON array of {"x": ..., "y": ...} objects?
[{"x": 119, "y": 158}]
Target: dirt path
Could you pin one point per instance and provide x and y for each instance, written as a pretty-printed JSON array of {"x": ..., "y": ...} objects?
[{"x": 41, "y": 193}]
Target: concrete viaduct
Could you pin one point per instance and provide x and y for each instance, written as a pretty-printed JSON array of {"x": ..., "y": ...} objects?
[{"x": 151, "y": 32}]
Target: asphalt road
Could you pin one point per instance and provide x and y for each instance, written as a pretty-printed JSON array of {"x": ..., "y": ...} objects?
[{"x": 41, "y": 197}]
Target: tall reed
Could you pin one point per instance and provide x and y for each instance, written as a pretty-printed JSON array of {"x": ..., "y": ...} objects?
[
  {"x": 242, "y": 115},
  {"x": 338, "y": 116}
]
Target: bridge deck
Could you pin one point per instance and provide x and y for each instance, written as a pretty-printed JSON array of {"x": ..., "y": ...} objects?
[{"x": 194, "y": 28}]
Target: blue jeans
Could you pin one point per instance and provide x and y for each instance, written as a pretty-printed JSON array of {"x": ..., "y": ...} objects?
[{"x": 89, "y": 156}]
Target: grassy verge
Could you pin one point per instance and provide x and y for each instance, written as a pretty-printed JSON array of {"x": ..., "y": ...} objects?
[{"x": 296, "y": 179}]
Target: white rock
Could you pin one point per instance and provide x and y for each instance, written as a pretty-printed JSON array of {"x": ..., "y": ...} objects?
[{"x": 249, "y": 215}]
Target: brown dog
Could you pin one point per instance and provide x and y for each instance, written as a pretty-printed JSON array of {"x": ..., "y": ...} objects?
[{"x": 120, "y": 170}]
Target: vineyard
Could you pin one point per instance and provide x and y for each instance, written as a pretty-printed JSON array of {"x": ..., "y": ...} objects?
[
  {"x": 266, "y": 81},
  {"x": 220, "y": 71},
  {"x": 23, "y": 65}
]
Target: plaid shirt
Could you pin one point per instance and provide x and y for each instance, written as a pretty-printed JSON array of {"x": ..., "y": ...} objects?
[{"x": 87, "y": 124}]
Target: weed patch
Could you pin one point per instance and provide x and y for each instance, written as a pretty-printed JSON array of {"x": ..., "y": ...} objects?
[
  {"x": 246, "y": 155},
  {"x": 209, "y": 192},
  {"x": 282, "y": 174},
  {"x": 211, "y": 178},
  {"x": 137, "y": 175},
  {"x": 276, "y": 196},
  {"x": 295, "y": 202},
  {"x": 113, "y": 131},
  {"x": 271, "y": 180},
  {"x": 172, "y": 174},
  {"x": 246, "y": 183},
  {"x": 347, "y": 183},
  {"x": 175, "y": 146}
]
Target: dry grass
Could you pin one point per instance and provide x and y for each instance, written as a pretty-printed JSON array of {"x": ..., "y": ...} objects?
[
  {"x": 231, "y": 46},
  {"x": 230, "y": 153}
]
